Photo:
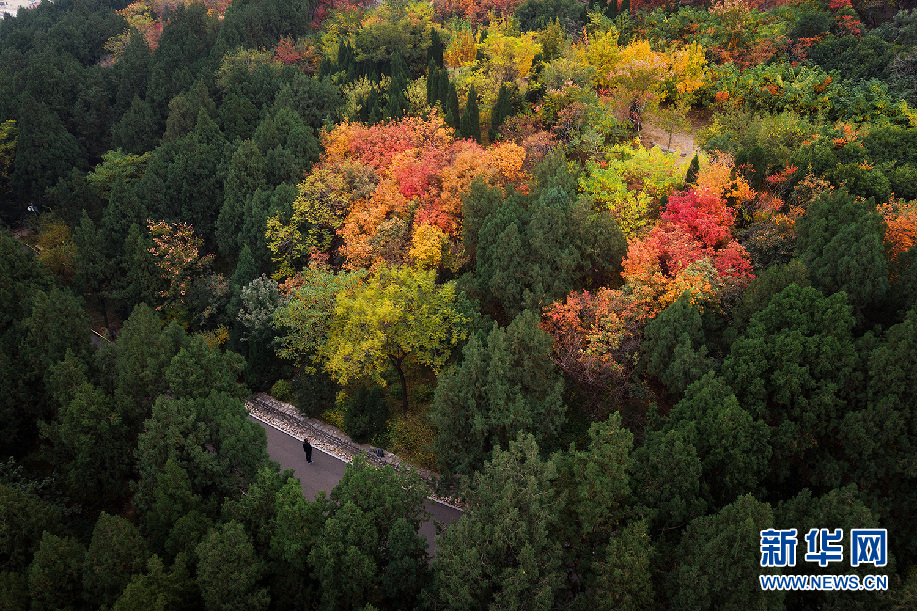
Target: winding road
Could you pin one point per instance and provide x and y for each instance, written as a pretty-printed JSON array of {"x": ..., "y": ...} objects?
[{"x": 327, "y": 470}]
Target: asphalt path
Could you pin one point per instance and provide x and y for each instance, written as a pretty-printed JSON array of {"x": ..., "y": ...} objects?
[{"x": 327, "y": 470}]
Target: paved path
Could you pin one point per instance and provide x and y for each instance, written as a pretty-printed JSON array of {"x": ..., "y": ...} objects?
[{"x": 326, "y": 470}]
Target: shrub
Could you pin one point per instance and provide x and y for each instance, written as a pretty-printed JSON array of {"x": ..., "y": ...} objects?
[
  {"x": 411, "y": 438},
  {"x": 366, "y": 415},
  {"x": 282, "y": 390},
  {"x": 313, "y": 393}
]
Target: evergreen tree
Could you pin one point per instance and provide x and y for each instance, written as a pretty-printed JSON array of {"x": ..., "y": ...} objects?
[
  {"x": 674, "y": 348},
  {"x": 245, "y": 175},
  {"x": 666, "y": 479},
  {"x": 611, "y": 10},
  {"x": 840, "y": 241},
  {"x": 432, "y": 83},
  {"x": 503, "y": 553},
  {"x": 453, "y": 115},
  {"x": 505, "y": 385},
  {"x": 96, "y": 271},
  {"x": 158, "y": 588},
  {"x": 142, "y": 279},
  {"x": 136, "y": 131},
  {"x": 45, "y": 150},
  {"x": 370, "y": 537},
  {"x": 116, "y": 552},
  {"x": 725, "y": 544},
  {"x": 229, "y": 570},
  {"x": 24, "y": 521},
  {"x": 694, "y": 168},
  {"x": 442, "y": 88},
  {"x": 93, "y": 443},
  {"x": 822, "y": 367},
  {"x": 733, "y": 448},
  {"x": 470, "y": 126},
  {"x": 132, "y": 71},
  {"x": 435, "y": 52},
  {"x": 397, "y": 102},
  {"x": 184, "y": 109},
  {"x": 55, "y": 575},
  {"x": 184, "y": 179},
  {"x": 501, "y": 110}
]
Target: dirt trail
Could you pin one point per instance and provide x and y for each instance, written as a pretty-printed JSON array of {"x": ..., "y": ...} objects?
[{"x": 682, "y": 143}]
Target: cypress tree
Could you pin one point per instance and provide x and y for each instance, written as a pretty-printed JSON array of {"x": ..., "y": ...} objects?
[
  {"x": 397, "y": 102},
  {"x": 435, "y": 52},
  {"x": 442, "y": 87},
  {"x": 375, "y": 114},
  {"x": 345, "y": 61},
  {"x": 625, "y": 6},
  {"x": 471, "y": 119},
  {"x": 501, "y": 110},
  {"x": 370, "y": 104},
  {"x": 396, "y": 106},
  {"x": 432, "y": 82},
  {"x": 693, "y": 169},
  {"x": 612, "y": 9},
  {"x": 452, "y": 107},
  {"x": 398, "y": 69}
]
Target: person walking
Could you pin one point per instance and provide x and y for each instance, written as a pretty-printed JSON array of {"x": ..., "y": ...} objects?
[{"x": 307, "y": 448}]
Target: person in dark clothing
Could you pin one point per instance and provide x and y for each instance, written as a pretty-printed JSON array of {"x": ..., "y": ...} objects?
[{"x": 307, "y": 448}]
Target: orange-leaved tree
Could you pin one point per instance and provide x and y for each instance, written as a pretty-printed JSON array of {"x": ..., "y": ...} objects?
[
  {"x": 376, "y": 186},
  {"x": 598, "y": 334},
  {"x": 177, "y": 252}
]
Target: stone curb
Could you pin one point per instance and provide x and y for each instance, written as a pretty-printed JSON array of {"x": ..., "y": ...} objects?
[{"x": 329, "y": 439}]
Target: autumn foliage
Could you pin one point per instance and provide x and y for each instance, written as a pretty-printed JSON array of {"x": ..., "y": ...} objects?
[
  {"x": 901, "y": 226},
  {"x": 177, "y": 251},
  {"x": 597, "y": 334},
  {"x": 419, "y": 173}
]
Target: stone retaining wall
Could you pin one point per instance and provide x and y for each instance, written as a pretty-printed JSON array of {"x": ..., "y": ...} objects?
[{"x": 330, "y": 439}]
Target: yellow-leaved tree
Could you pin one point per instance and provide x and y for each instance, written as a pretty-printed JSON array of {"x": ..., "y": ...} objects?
[{"x": 399, "y": 313}]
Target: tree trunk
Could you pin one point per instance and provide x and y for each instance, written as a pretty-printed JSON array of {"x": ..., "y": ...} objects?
[{"x": 404, "y": 383}]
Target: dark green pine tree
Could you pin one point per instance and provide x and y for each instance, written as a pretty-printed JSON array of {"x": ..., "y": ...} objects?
[
  {"x": 470, "y": 126},
  {"x": 502, "y": 109},
  {"x": 246, "y": 271},
  {"x": 396, "y": 106},
  {"x": 116, "y": 552},
  {"x": 442, "y": 87},
  {"x": 435, "y": 52},
  {"x": 133, "y": 72},
  {"x": 397, "y": 102},
  {"x": 674, "y": 349},
  {"x": 612, "y": 9},
  {"x": 346, "y": 61},
  {"x": 432, "y": 83},
  {"x": 375, "y": 114},
  {"x": 506, "y": 385},
  {"x": 693, "y": 170},
  {"x": 453, "y": 115},
  {"x": 45, "y": 150},
  {"x": 142, "y": 280},
  {"x": 136, "y": 131},
  {"x": 625, "y": 6},
  {"x": 840, "y": 242}
]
